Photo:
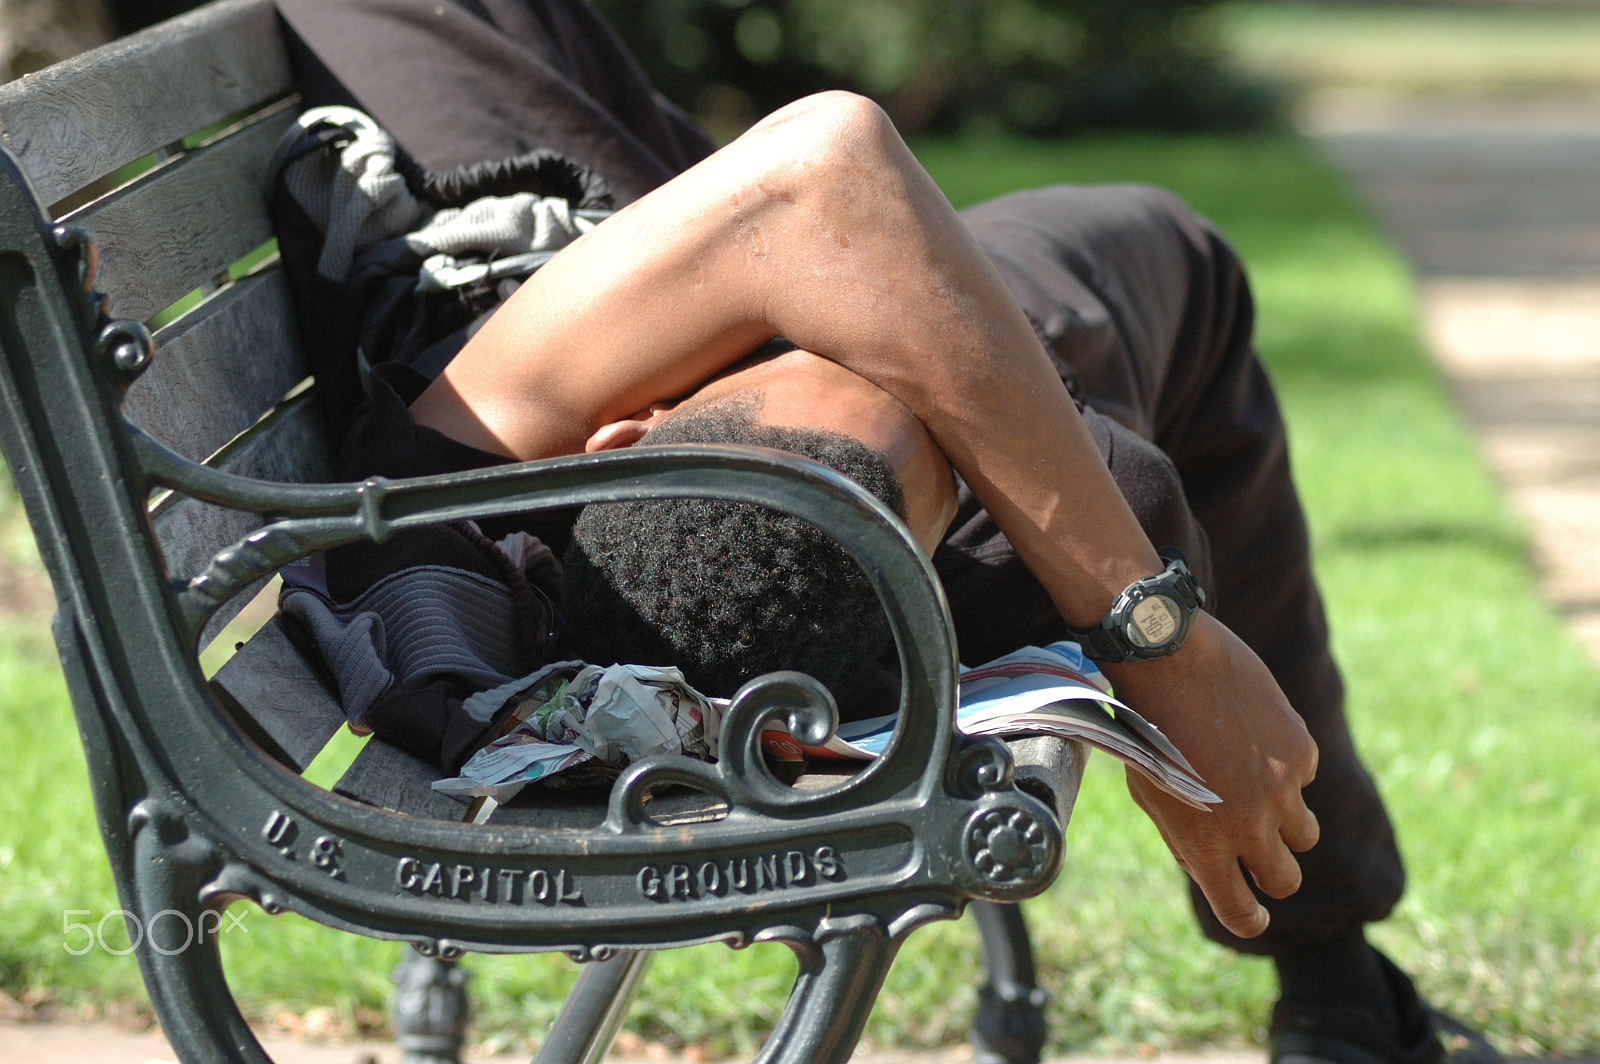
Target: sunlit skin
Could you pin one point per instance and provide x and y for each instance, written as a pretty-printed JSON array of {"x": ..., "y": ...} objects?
[
  {"x": 819, "y": 226},
  {"x": 798, "y": 389}
]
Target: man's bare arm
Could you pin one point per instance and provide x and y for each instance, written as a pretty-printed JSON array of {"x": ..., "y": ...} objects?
[{"x": 820, "y": 227}]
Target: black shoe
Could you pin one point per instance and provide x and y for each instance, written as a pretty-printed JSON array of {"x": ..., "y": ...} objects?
[{"x": 1319, "y": 1034}]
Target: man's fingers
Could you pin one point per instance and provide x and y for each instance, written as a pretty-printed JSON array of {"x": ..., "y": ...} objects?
[
  {"x": 1275, "y": 870},
  {"x": 1231, "y": 898},
  {"x": 1300, "y": 829}
]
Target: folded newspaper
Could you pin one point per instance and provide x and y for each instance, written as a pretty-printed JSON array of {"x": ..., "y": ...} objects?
[{"x": 573, "y": 715}]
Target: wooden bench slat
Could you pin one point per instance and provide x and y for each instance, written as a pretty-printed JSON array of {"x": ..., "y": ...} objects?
[
  {"x": 77, "y": 121},
  {"x": 190, "y": 534},
  {"x": 390, "y": 778},
  {"x": 229, "y": 610},
  {"x": 290, "y": 446},
  {"x": 383, "y": 776},
  {"x": 283, "y": 694},
  {"x": 218, "y": 369},
  {"x": 585, "y": 808},
  {"x": 1047, "y": 768},
  {"x": 177, "y": 229}
]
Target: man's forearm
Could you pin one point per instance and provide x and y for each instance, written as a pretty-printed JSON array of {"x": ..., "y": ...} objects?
[{"x": 818, "y": 226}]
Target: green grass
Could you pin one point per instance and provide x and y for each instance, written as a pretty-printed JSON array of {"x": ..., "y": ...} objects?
[
  {"x": 1417, "y": 49},
  {"x": 1475, "y": 709}
]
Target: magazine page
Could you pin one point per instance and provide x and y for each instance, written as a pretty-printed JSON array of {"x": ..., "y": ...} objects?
[{"x": 1051, "y": 690}]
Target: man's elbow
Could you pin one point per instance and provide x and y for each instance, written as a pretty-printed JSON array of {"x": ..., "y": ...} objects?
[{"x": 830, "y": 138}]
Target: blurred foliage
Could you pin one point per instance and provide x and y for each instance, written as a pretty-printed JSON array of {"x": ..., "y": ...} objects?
[{"x": 1032, "y": 66}]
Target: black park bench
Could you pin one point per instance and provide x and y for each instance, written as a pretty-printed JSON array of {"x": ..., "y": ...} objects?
[{"x": 168, "y": 472}]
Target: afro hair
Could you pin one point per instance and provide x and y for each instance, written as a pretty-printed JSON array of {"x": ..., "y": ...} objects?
[{"x": 727, "y": 591}]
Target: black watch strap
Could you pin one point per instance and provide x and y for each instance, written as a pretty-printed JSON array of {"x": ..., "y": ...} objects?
[
  {"x": 1109, "y": 641},
  {"x": 1100, "y": 645}
]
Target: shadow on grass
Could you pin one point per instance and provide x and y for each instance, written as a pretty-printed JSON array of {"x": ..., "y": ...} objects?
[{"x": 1503, "y": 542}]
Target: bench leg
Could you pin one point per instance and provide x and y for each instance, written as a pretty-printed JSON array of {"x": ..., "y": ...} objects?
[
  {"x": 595, "y": 1009},
  {"x": 840, "y": 976},
  {"x": 430, "y": 1009},
  {"x": 1008, "y": 1026}
]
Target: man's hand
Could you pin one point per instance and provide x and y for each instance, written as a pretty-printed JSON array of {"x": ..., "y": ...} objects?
[{"x": 1218, "y": 703}]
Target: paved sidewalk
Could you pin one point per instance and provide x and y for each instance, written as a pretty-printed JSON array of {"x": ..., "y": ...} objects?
[
  {"x": 63, "y": 1043},
  {"x": 59, "y": 1043},
  {"x": 1498, "y": 204}
]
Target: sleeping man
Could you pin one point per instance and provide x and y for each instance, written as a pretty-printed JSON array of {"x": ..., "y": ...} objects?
[{"x": 1045, "y": 387}]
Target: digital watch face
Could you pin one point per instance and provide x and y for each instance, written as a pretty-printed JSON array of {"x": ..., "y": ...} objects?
[{"x": 1153, "y": 621}]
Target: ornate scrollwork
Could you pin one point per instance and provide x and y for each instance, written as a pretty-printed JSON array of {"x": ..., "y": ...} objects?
[
  {"x": 79, "y": 240},
  {"x": 984, "y": 764},
  {"x": 443, "y": 949},
  {"x": 234, "y": 567},
  {"x": 741, "y": 777},
  {"x": 158, "y": 823},
  {"x": 925, "y": 913},
  {"x": 239, "y": 880},
  {"x": 128, "y": 345}
]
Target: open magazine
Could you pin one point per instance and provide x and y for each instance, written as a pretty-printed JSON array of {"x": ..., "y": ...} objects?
[{"x": 1052, "y": 690}]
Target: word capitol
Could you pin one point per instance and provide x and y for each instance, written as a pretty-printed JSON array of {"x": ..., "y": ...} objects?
[{"x": 674, "y": 882}]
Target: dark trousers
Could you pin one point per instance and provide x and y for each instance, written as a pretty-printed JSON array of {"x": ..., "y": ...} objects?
[
  {"x": 1146, "y": 311},
  {"x": 1142, "y": 305}
]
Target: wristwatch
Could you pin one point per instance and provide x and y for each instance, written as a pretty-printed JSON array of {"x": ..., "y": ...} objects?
[{"x": 1150, "y": 619}]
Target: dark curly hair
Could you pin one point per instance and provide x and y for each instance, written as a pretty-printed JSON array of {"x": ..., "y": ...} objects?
[{"x": 727, "y": 591}]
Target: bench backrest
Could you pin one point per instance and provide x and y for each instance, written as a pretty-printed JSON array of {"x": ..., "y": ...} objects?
[{"x": 159, "y": 144}]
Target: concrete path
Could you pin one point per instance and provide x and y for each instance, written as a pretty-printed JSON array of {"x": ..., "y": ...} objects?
[
  {"x": 1498, "y": 204},
  {"x": 63, "y": 1043}
]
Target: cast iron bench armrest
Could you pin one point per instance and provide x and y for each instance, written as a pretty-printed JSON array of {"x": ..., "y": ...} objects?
[
  {"x": 194, "y": 816},
  {"x": 160, "y": 503}
]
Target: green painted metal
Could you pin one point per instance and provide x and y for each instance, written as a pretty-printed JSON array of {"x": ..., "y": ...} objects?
[{"x": 195, "y": 816}]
